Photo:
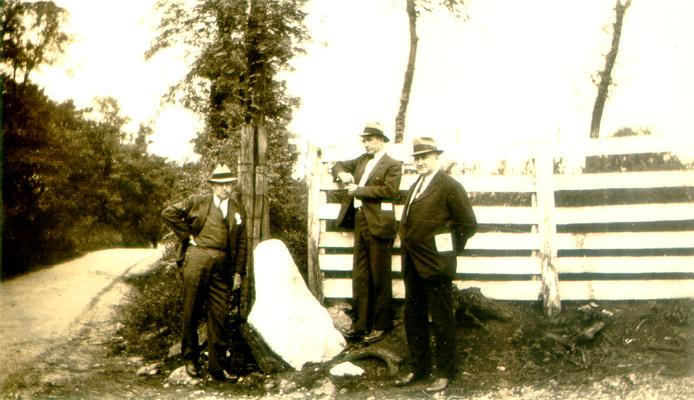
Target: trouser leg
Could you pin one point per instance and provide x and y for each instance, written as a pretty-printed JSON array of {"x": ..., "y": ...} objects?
[
  {"x": 360, "y": 276},
  {"x": 439, "y": 295},
  {"x": 217, "y": 317},
  {"x": 382, "y": 287},
  {"x": 416, "y": 319},
  {"x": 195, "y": 276}
]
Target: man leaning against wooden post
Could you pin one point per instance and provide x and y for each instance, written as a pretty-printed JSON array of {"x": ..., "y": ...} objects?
[
  {"x": 372, "y": 181},
  {"x": 436, "y": 224},
  {"x": 212, "y": 258}
]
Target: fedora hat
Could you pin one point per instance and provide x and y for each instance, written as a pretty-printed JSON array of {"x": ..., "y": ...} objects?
[
  {"x": 374, "y": 128},
  {"x": 221, "y": 174},
  {"x": 424, "y": 145}
]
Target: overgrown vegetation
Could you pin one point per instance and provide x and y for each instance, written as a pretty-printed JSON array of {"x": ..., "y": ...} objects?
[
  {"x": 151, "y": 315},
  {"x": 73, "y": 180}
]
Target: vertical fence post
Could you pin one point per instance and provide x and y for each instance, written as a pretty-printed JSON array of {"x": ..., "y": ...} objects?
[
  {"x": 313, "y": 181},
  {"x": 547, "y": 228}
]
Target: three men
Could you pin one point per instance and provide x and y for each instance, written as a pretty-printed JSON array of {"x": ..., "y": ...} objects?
[
  {"x": 372, "y": 181},
  {"x": 437, "y": 221},
  {"x": 213, "y": 251}
]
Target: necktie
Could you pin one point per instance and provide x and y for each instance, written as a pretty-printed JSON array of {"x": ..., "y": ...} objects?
[
  {"x": 419, "y": 189},
  {"x": 420, "y": 183}
]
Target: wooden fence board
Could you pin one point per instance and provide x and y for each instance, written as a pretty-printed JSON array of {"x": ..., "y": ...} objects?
[
  {"x": 472, "y": 183},
  {"x": 625, "y": 213},
  {"x": 625, "y": 240},
  {"x": 568, "y": 290},
  {"x": 481, "y": 241},
  {"x": 484, "y": 214},
  {"x": 625, "y": 180},
  {"x": 626, "y": 265},
  {"x": 466, "y": 265}
]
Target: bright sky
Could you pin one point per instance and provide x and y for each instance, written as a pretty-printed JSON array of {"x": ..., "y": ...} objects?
[{"x": 514, "y": 71}]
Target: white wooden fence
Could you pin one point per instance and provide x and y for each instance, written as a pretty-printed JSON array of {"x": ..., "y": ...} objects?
[{"x": 642, "y": 249}]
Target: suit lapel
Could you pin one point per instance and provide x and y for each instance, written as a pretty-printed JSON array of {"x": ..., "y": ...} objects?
[
  {"x": 205, "y": 205},
  {"x": 379, "y": 164},
  {"x": 410, "y": 193},
  {"x": 430, "y": 189}
]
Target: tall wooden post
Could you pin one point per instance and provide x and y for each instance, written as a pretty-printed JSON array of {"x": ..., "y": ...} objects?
[
  {"x": 313, "y": 180},
  {"x": 547, "y": 228}
]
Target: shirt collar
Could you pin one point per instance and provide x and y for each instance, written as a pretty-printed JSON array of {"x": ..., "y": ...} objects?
[
  {"x": 218, "y": 201},
  {"x": 378, "y": 155}
]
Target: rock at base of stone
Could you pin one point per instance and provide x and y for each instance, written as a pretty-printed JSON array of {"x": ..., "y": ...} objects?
[
  {"x": 346, "y": 369},
  {"x": 180, "y": 377}
]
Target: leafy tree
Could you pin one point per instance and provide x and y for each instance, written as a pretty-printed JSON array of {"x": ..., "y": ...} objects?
[
  {"x": 31, "y": 35},
  {"x": 240, "y": 47},
  {"x": 72, "y": 180}
]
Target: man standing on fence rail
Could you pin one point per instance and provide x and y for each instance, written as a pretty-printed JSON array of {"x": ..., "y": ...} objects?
[
  {"x": 372, "y": 181},
  {"x": 436, "y": 223}
]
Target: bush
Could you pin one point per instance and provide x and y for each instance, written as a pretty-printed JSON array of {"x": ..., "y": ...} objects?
[{"x": 152, "y": 312}]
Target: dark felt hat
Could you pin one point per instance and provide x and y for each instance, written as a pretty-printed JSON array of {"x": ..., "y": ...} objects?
[
  {"x": 374, "y": 128},
  {"x": 424, "y": 145}
]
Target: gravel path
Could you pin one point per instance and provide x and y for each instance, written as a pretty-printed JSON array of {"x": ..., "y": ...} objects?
[{"x": 39, "y": 309}]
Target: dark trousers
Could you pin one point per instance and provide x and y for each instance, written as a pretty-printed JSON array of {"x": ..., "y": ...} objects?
[
  {"x": 372, "y": 290},
  {"x": 206, "y": 280},
  {"x": 423, "y": 297}
]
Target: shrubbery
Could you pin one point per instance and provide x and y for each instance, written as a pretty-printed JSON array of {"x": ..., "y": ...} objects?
[{"x": 152, "y": 312}]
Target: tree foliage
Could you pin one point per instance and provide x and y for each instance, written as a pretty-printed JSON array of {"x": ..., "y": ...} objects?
[
  {"x": 226, "y": 40},
  {"x": 72, "y": 180},
  {"x": 31, "y": 35}
]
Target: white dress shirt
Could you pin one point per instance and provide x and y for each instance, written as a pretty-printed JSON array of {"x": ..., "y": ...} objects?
[
  {"x": 367, "y": 171},
  {"x": 223, "y": 205}
]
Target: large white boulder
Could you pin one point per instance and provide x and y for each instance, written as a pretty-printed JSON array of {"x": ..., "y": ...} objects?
[{"x": 285, "y": 313}]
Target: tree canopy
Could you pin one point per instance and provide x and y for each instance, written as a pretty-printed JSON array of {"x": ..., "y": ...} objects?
[
  {"x": 70, "y": 182},
  {"x": 238, "y": 49}
]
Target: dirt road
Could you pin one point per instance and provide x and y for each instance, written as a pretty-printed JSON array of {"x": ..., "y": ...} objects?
[{"x": 39, "y": 310}]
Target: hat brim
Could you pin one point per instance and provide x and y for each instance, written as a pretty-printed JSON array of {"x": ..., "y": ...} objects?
[
  {"x": 385, "y": 138},
  {"x": 419, "y": 153},
  {"x": 222, "y": 180}
]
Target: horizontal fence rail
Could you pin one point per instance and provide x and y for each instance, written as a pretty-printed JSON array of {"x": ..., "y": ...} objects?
[{"x": 614, "y": 236}]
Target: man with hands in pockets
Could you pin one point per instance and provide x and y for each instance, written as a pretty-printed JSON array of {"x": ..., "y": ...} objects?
[{"x": 437, "y": 221}]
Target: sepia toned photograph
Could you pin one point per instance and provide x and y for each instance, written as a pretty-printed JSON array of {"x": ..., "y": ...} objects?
[{"x": 347, "y": 199}]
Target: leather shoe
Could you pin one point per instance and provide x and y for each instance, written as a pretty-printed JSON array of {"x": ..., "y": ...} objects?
[
  {"x": 374, "y": 336},
  {"x": 224, "y": 376},
  {"x": 192, "y": 369},
  {"x": 438, "y": 385},
  {"x": 352, "y": 334},
  {"x": 407, "y": 379}
]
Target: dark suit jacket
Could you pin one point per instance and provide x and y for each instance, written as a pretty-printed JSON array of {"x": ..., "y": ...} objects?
[
  {"x": 188, "y": 217},
  {"x": 381, "y": 187},
  {"x": 443, "y": 207}
]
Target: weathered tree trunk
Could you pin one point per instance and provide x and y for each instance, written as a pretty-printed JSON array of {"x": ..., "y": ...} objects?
[
  {"x": 472, "y": 303},
  {"x": 409, "y": 73},
  {"x": 252, "y": 159},
  {"x": 606, "y": 74}
]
